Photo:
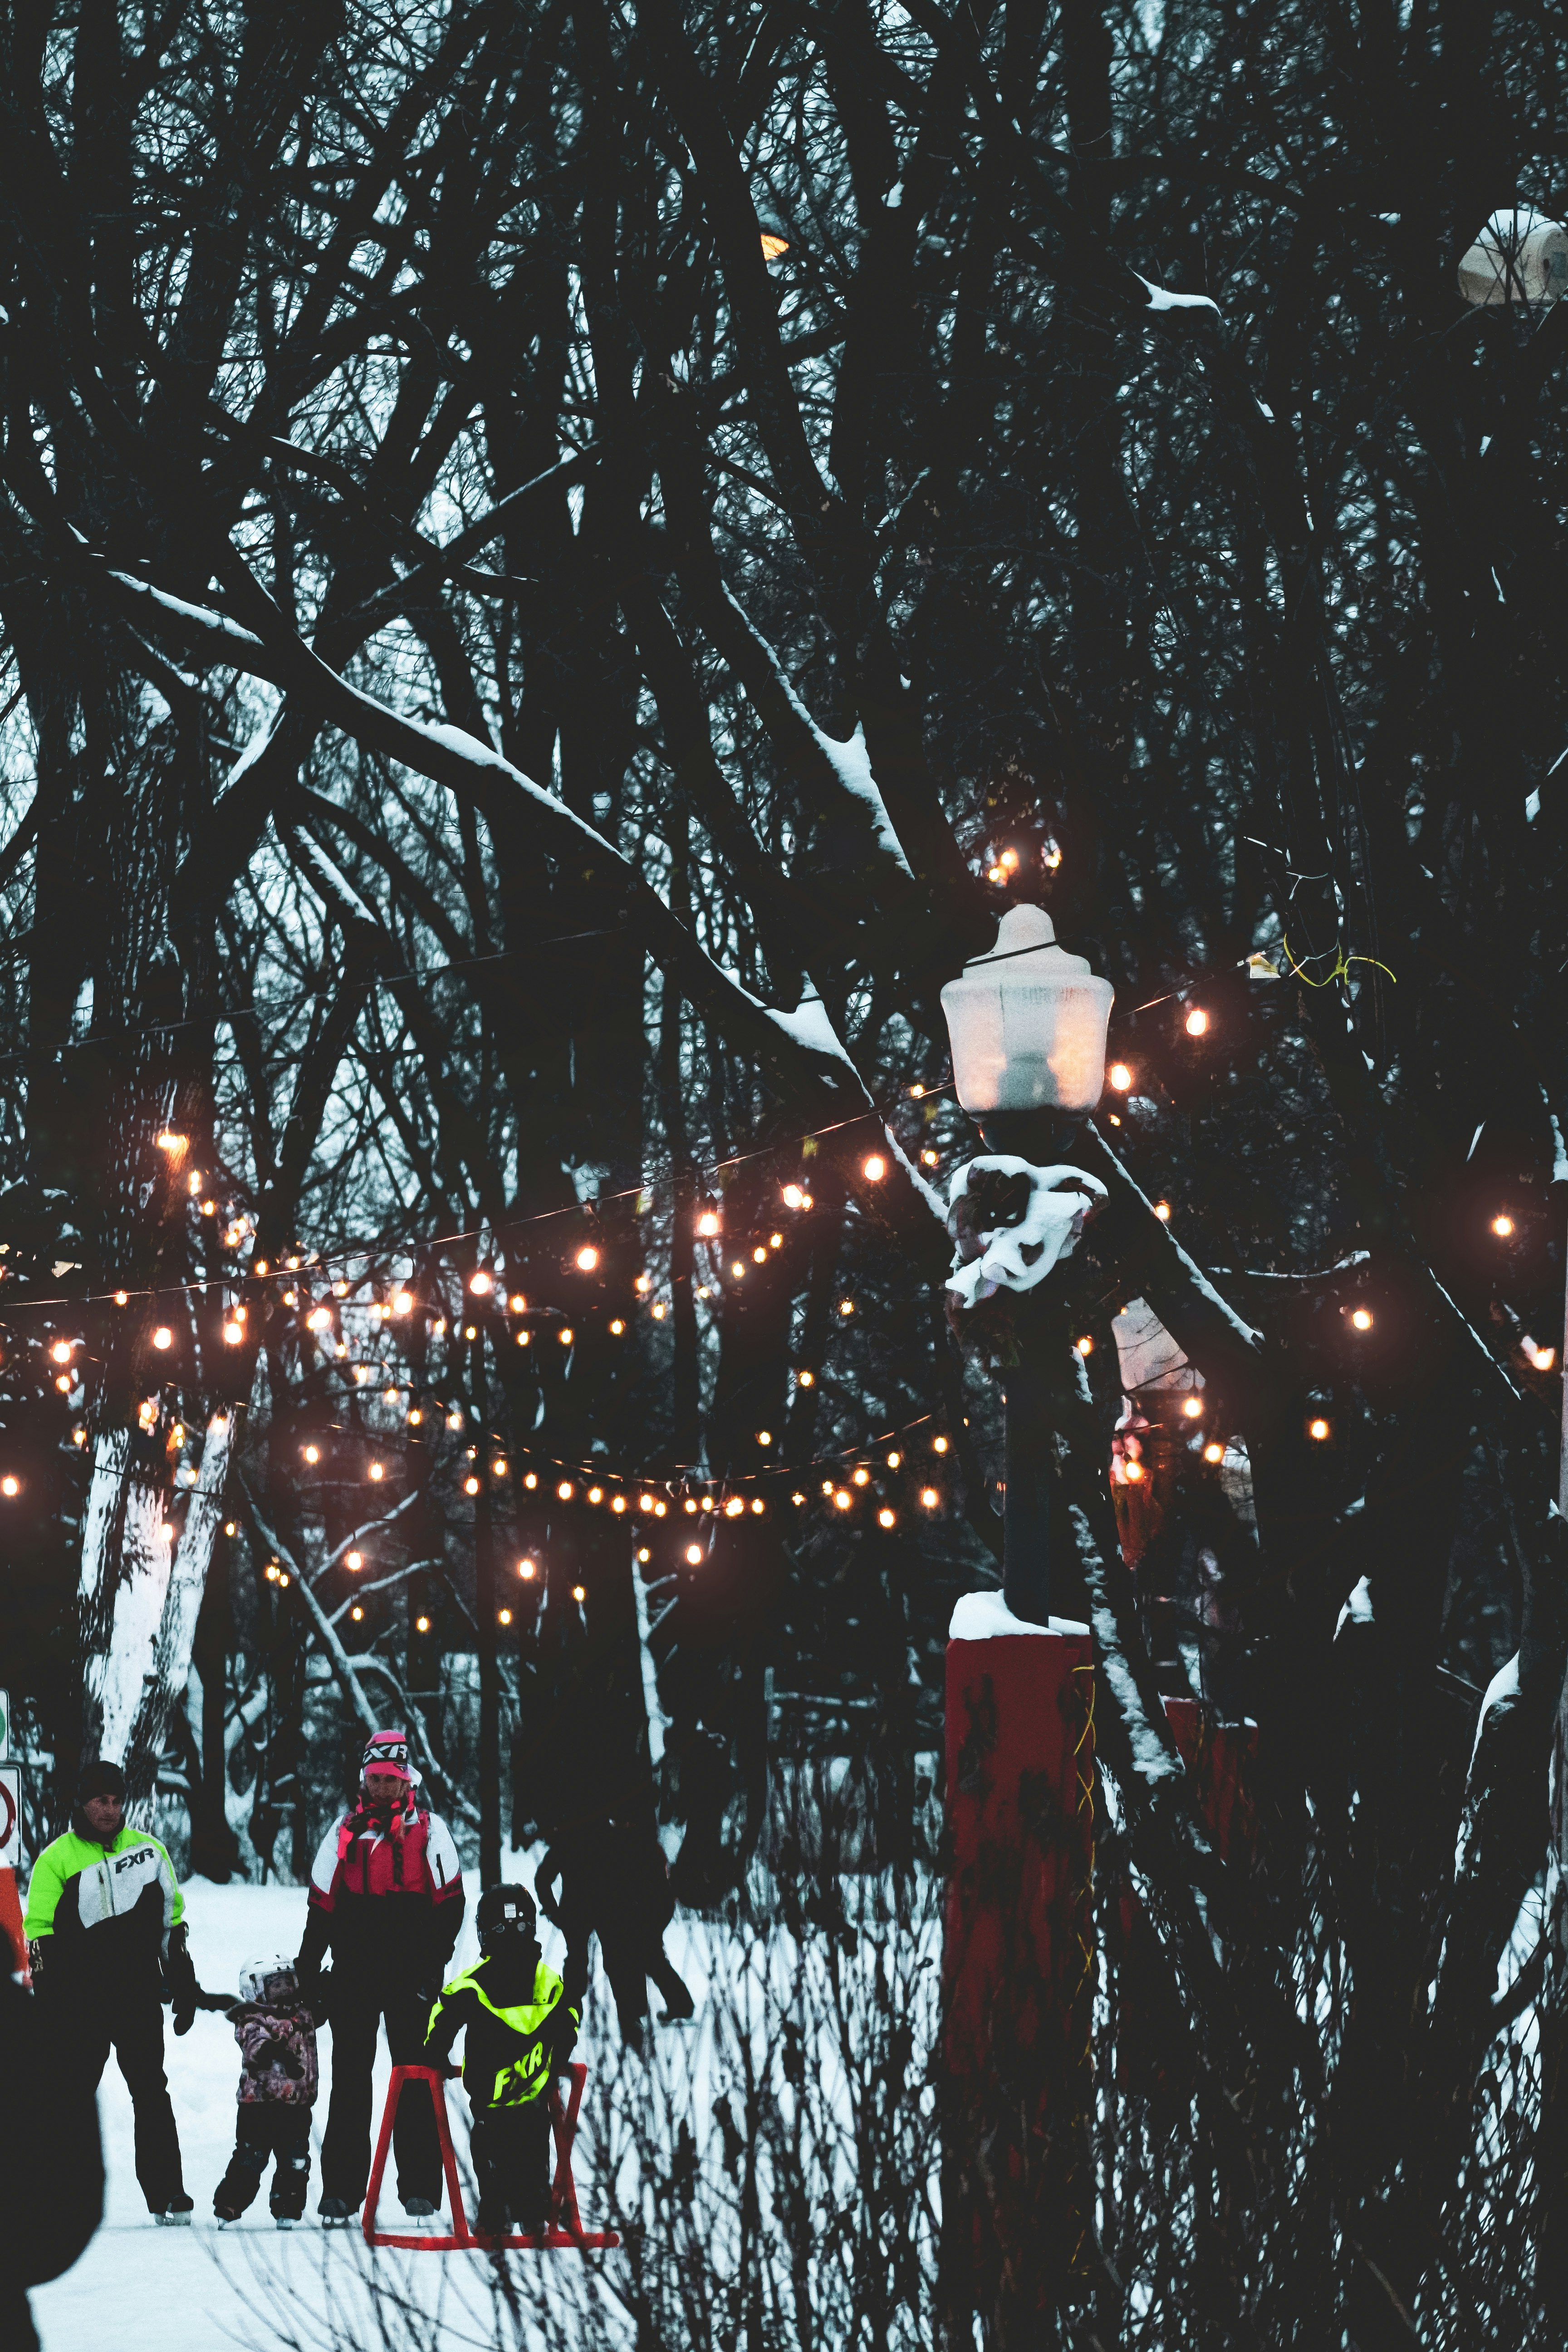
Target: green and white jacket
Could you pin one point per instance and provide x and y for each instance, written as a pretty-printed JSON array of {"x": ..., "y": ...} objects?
[{"x": 108, "y": 1907}]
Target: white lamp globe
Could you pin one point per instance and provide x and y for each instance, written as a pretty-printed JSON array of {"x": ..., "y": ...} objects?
[{"x": 1028, "y": 1022}]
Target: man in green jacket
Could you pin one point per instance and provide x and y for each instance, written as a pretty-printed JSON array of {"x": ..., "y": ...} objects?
[{"x": 105, "y": 1930}]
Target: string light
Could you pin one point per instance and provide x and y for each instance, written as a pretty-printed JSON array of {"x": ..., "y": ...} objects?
[
  {"x": 503, "y": 1616},
  {"x": 1162, "y": 1210},
  {"x": 694, "y": 1555},
  {"x": 579, "y": 1592},
  {"x": 1214, "y": 1451},
  {"x": 357, "y": 1614},
  {"x": 377, "y": 1472},
  {"x": 775, "y": 1241},
  {"x": 422, "y": 1624},
  {"x": 1542, "y": 1358},
  {"x": 233, "y": 1334},
  {"x": 1084, "y": 1346},
  {"x": 319, "y": 1319},
  {"x": 527, "y": 1569},
  {"x": 1133, "y": 1473},
  {"x": 765, "y": 1437},
  {"x": 10, "y": 1484},
  {"x": 470, "y": 1485},
  {"x": 846, "y": 1307},
  {"x": 1120, "y": 1076},
  {"x": 797, "y": 1500},
  {"x": 1193, "y": 1408},
  {"x": 1361, "y": 1318},
  {"x": 1318, "y": 1428},
  {"x": 531, "y": 1481},
  {"x": 596, "y": 1494},
  {"x": 171, "y": 1142},
  {"x": 524, "y": 1338},
  {"x": 758, "y": 1506},
  {"x": 1197, "y": 1022},
  {"x": 939, "y": 1444},
  {"x": 737, "y": 1270},
  {"x": 643, "y": 1284},
  {"x": 658, "y": 1312},
  {"x": 123, "y": 1298},
  {"x": 567, "y": 1336},
  {"x": 353, "y": 1560},
  {"x": 62, "y": 1351},
  {"x": 565, "y": 1490},
  {"x": 643, "y": 1555},
  {"x": 885, "y": 1517},
  {"x": 588, "y": 1258},
  {"x": 616, "y": 1328},
  {"x": 928, "y": 1158},
  {"x": 163, "y": 1336},
  {"x": 708, "y": 1223},
  {"x": 480, "y": 1282},
  {"x": 497, "y": 1469},
  {"x": 1502, "y": 1227},
  {"x": 617, "y": 1504},
  {"x": 415, "y": 1416},
  {"x": 759, "y": 1256},
  {"x": 312, "y": 1452},
  {"x": 734, "y": 1507},
  {"x": 862, "y": 1477},
  {"x": 807, "y": 1380},
  {"x": 874, "y": 1168}
]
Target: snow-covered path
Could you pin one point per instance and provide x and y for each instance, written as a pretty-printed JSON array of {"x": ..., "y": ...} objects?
[{"x": 142, "y": 2289}]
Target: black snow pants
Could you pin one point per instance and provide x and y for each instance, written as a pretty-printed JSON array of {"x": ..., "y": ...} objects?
[
  {"x": 132, "y": 2025},
  {"x": 268, "y": 2129},
  {"x": 510, "y": 2149},
  {"x": 358, "y": 2008}
]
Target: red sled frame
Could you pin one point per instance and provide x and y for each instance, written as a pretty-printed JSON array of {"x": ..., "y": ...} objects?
[{"x": 565, "y": 2227}]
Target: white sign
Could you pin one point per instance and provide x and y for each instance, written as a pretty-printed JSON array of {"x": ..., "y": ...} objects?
[
  {"x": 4, "y": 1723},
  {"x": 10, "y": 1818}
]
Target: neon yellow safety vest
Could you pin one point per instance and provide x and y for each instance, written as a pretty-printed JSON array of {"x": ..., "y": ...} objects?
[{"x": 527, "y": 2076}]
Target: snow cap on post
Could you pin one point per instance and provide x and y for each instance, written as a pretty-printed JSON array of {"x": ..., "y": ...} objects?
[{"x": 1028, "y": 1022}]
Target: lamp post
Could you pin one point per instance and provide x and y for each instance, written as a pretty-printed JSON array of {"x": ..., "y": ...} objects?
[{"x": 1028, "y": 1024}]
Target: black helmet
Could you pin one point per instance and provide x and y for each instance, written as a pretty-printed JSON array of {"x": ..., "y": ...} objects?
[{"x": 506, "y": 1916}]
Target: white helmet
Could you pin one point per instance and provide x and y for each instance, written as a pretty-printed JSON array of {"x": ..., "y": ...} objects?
[{"x": 272, "y": 1981}]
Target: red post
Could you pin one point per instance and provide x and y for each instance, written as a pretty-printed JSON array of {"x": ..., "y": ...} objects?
[{"x": 1018, "y": 1969}]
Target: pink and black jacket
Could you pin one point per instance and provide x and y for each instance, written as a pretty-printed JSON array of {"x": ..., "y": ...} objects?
[{"x": 387, "y": 1896}]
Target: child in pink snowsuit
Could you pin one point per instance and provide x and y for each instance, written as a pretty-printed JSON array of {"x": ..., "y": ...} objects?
[{"x": 276, "y": 2031}]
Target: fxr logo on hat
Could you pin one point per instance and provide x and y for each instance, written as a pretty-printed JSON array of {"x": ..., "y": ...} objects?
[{"x": 386, "y": 1751}]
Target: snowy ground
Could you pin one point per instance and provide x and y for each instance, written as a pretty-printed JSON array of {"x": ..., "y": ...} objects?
[{"x": 141, "y": 2289}]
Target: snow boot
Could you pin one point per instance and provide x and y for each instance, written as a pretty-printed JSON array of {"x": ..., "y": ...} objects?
[
  {"x": 420, "y": 2211},
  {"x": 289, "y": 2183},
  {"x": 336, "y": 2212},
  {"x": 175, "y": 2214},
  {"x": 491, "y": 2219},
  {"x": 239, "y": 2187}
]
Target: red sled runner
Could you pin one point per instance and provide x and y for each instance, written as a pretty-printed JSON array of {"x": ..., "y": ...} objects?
[{"x": 565, "y": 2222}]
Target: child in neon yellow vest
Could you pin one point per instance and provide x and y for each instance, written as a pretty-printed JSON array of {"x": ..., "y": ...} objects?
[{"x": 520, "y": 2022}]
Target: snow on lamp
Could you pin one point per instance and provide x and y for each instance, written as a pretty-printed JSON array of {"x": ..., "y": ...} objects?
[{"x": 1028, "y": 1022}]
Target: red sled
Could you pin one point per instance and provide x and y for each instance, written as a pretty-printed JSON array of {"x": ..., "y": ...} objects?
[{"x": 565, "y": 2222}]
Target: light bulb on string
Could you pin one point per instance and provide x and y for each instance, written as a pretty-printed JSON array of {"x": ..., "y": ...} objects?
[
  {"x": 588, "y": 1258},
  {"x": 874, "y": 1168},
  {"x": 1193, "y": 1408},
  {"x": 1197, "y": 1022},
  {"x": 1121, "y": 1078},
  {"x": 480, "y": 1282},
  {"x": 1318, "y": 1428},
  {"x": 1502, "y": 1225},
  {"x": 1214, "y": 1451},
  {"x": 1361, "y": 1318}
]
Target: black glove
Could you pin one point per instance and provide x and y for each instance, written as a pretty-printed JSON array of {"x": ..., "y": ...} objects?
[{"x": 180, "y": 1975}]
